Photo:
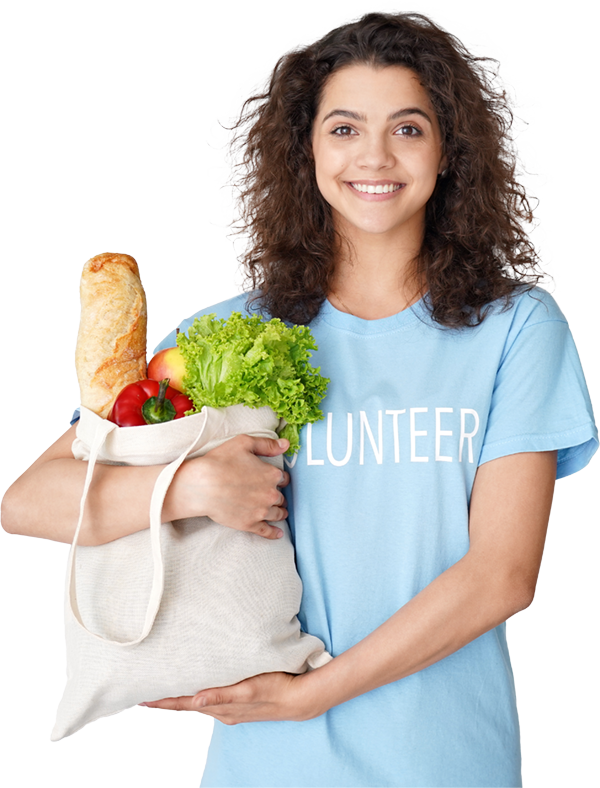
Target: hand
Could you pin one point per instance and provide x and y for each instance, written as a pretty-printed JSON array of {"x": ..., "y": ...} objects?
[
  {"x": 268, "y": 696},
  {"x": 232, "y": 486}
]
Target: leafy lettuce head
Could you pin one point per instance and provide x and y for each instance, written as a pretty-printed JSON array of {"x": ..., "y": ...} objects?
[{"x": 253, "y": 362}]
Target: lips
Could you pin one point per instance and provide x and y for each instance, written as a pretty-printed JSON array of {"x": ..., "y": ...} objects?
[{"x": 375, "y": 191}]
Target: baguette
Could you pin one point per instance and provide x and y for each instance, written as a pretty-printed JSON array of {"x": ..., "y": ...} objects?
[{"x": 111, "y": 343}]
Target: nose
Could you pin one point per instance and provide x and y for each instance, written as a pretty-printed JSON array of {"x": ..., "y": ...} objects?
[{"x": 375, "y": 152}]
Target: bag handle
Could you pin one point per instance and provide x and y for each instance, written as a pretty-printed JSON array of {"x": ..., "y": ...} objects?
[{"x": 161, "y": 486}]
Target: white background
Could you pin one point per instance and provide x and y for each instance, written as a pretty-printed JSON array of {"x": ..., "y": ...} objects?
[{"x": 111, "y": 141}]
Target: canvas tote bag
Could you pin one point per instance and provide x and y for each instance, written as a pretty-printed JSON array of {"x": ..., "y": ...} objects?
[{"x": 181, "y": 606}]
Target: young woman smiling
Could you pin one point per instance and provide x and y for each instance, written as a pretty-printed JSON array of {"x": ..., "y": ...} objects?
[
  {"x": 378, "y": 153},
  {"x": 379, "y": 195}
]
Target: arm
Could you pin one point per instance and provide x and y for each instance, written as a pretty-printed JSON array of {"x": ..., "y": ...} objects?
[
  {"x": 508, "y": 519},
  {"x": 230, "y": 484},
  {"x": 509, "y": 511}
]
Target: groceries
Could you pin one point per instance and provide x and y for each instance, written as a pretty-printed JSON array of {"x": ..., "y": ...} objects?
[
  {"x": 253, "y": 362},
  {"x": 111, "y": 344},
  {"x": 149, "y": 402},
  {"x": 168, "y": 363},
  {"x": 242, "y": 360},
  {"x": 191, "y": 604}
]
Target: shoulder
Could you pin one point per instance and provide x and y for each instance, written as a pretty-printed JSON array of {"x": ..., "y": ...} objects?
[
  {"x": 526, "y": 305},
  {"x": 526, "y": 308},
  {"x": 536, "y": 306},
  {"x": 222, "y": 310},
  {"x": 510, "y": 325}
]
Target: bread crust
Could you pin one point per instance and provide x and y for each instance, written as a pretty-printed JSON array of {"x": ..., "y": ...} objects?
[{"x": 111, "y": 343}]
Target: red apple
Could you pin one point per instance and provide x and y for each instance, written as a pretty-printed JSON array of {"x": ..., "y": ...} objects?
[{"x": 168, "y": 363}]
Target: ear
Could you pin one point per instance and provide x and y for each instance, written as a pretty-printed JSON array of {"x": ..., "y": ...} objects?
[{"x": 442, "y": 169}]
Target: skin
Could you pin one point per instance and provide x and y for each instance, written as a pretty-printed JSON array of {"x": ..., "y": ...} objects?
[
  {"x": 511, "y": 496},
  {"x": 229, "y": 484},
  {"x": 376, "y": 125}
]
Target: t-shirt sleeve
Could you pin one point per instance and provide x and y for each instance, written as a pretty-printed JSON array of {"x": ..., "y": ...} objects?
[
  {"x": 540, "y": 400},
  {"x": 169, "y": 341}
]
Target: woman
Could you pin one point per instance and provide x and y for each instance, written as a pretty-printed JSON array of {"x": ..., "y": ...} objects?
[{"x": 382, "y": 207}]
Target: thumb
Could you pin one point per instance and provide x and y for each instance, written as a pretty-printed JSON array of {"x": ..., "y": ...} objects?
[
  {"x": 212, "y": 698},
  {"x": 269, "y": 447}
]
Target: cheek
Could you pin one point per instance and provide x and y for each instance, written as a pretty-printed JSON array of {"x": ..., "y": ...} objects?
[
  {"x": 329, "y": 159},
  {"x": 427, "y": 168},
  {"x": 327, "y": 191},
  {"x": 327, "y": 171}
]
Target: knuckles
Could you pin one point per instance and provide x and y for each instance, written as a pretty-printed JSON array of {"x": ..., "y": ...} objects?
[
  {"x": 244, "y": 441},
  {"x": 275, "y": 498},
  {"x": 275, "y": 475}
]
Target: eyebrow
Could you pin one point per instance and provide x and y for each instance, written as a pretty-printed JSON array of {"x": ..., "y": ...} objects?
[{"x": 401, "y": 113}]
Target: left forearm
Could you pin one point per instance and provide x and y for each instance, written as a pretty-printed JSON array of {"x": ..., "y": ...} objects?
[
  {"x": 508, "y": 517},
  {"x": 462, "y": 603}
]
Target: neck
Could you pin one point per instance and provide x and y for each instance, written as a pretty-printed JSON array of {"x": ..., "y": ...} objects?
[{"x": 375, "y": 276}]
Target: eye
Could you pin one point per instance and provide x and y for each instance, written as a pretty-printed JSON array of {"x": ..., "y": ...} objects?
[
  {"x": 343, "y": 131},
  {"x": 408, "y": 130}
]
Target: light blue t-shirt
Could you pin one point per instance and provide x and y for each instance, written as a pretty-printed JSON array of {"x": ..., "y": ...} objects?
[{"x": 379, "y": 505}]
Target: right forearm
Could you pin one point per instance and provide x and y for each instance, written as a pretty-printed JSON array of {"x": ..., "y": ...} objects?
[
  {"x": 45, "y": 501},
  {"x": 231, "y": 484}
]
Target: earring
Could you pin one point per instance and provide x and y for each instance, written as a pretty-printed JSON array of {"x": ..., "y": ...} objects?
[{"x": 443, "y": 173}]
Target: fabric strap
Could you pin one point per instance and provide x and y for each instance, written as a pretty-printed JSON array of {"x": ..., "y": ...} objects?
[{"x": 161, "y": 486}]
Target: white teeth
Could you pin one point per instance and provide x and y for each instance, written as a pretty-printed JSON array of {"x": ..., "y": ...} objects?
[{"x": 379, "y": 189}]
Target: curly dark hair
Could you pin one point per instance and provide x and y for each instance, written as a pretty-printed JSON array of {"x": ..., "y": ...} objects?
[{"x": 475, "y": 249}]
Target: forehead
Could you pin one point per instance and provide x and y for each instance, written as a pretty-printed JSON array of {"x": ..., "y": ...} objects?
[{"x": 360, "y": 86}]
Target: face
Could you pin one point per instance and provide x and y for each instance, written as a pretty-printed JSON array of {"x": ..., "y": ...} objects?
[{"x": 377, "y": 150}]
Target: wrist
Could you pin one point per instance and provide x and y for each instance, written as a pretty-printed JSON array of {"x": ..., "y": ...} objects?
[
  {"x": 183, "y": 496},
  {"x": 315, "y": 697}
]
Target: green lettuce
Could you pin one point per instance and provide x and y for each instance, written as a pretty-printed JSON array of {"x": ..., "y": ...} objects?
[{"x": 254, "y": 362}]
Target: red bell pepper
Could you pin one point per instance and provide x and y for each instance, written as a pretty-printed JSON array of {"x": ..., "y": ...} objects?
[{"x": 149, "y": 402}]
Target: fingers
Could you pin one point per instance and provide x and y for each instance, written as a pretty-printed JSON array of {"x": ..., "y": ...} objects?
[
  {"x": 234, "y": 485},
  {"x": 242, "y": 692},
  {"x": 268, "y": 447},
  {"x": 185, "y": 703},
  {"x": 214, "y": 697},
  {"x": 275, "y": 514},
  {"x": 267, "y": 530},
  {"x": 267, "y": 696},
  {"x": 285, "y": 479}
]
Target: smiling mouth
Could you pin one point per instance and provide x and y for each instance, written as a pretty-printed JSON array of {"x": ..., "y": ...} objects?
[{"x": 380, "y": 188}]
